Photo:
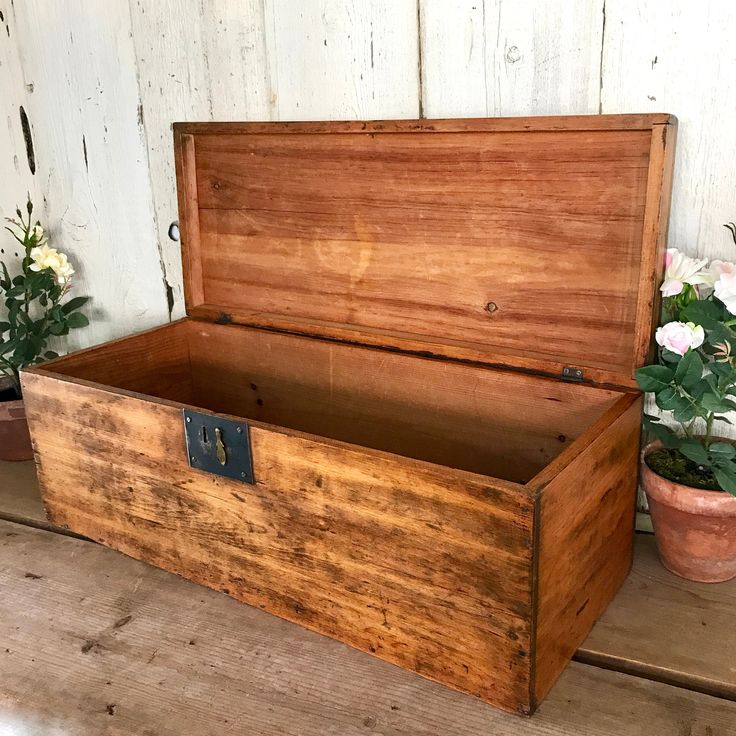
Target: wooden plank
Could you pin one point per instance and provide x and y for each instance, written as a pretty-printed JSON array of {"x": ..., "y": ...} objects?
[
  {"x": 656, "y": 223},
  {"x": 585, "y": 525},
  {"x": 186, "y": 187},
  {"x": 202, "y": 664},
  {"x": 388, "y": 554},
  {"x": 537, "y": 123},
  {"x": 669, "y": 629},
  {"x": 155, "y": 361},
  {"x": 91, "y": 159},
  {"x": 17, "y": 150},
  {"x": 504, "y": 57},
  {"x": 647, "y": 65},
  {"x": 275, "y": 241},
  {"x": 351, "y": 59}
]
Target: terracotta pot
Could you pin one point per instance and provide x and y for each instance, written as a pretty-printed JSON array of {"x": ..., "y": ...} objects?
[
  {"x": 695, "y": 530},
  {"x": 15, "y": 441}
]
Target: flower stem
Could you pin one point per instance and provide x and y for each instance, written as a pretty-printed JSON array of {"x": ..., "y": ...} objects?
[{"x": 708, "y": 429}]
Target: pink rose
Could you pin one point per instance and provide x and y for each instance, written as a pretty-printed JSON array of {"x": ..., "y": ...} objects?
[
  {"x": 725, "y": 283},
  {"x": 679, "y": 337}
]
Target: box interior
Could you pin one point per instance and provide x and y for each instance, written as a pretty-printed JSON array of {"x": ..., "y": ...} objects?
[{"x": 503, "y": 424}]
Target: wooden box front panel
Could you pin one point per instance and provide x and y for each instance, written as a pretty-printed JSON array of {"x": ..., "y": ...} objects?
[{"x": 426, "y": 567}]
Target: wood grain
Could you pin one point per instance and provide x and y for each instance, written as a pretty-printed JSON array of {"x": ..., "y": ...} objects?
[
  {"x": 510, "y": 58},
  {"x": 656, "y": 224},
  {"x": 369, "y": 252},
  {"x": 191, "y": 249},
  {"x": 154, "y": 362},
  {"x": 585, "y": 529},
  {"x": 424, "y": 566},
  {"x": 665, "y": 628},
  {"x": 203, "y": 664}
]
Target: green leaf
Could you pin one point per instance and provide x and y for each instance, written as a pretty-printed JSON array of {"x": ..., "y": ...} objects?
[
  {"x": 77, "y": 319},
  {"x": 4, "y": 327},
  {"x": 16, "y": 291},
  {"x": 669, "y": 357},
  {"x": 720, "y": 369},
  {"x": 664, "y": 434},
  {"x": 705, "y": 313},
  {"x": 689, "y": 370},
  {"x": 702, "y": 387},
  {"x": 654, "y": 377},
  {"x": 723, "y": 449},
  {"x": 76, "y": 303},
  {"x": 711, "y": 402},
  {"x": 667, "y": 399},
  {"x": 684, "y": 411},
  {"x": 726, "y": 480},
  {"x": 693, "y": 450},
  {"x": 50, "y": 355},
  {"x": 5, "y": 282}
]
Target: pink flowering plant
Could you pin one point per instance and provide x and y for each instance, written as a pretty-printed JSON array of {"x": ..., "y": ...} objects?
[
  {"x": 36, "y": 301},
  {"x": 694, "y": 379}
]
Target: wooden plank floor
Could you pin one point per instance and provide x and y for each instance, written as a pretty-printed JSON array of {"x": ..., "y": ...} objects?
[
  {"x": 94, "y": 643},
  {"x": 665, "y": 628}
]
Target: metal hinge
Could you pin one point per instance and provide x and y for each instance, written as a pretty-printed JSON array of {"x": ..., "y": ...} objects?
[
  {"x": 218, "y": 445},
  {"x": 570, "y": 373}
]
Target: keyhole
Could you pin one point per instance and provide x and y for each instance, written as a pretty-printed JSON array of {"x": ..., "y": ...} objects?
[
  {"x": 220, "y": 447},
  {"x": 205, "y": 438}
]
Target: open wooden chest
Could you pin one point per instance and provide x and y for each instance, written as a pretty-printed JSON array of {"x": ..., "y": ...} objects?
[{"x": 401, "y": 411}]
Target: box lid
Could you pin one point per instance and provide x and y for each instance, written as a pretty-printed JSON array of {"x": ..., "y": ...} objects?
[{"x": 531, "y": 243}]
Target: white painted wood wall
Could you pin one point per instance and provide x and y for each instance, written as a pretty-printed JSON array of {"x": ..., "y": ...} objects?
[{"x": 102, "y": 80}]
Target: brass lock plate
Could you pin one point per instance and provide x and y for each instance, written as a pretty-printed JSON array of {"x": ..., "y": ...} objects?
[{"x": 218, "y": 445}]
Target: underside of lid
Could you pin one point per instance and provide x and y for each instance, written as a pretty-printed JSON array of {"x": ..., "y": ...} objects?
[{"x": 528, "y": 243}]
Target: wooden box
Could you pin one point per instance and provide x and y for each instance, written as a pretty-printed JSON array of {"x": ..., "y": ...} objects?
[{"x": 424, "y": 335}]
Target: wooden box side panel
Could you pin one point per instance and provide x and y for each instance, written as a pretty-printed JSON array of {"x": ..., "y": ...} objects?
[
  {"x": 422, "y": 566},
  {"x": 585, "y": 534},
  {"x": 154, "y": 362}
]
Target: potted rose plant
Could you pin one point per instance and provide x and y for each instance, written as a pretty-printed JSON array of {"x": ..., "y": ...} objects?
[
  {"x": 688, "y": 472},
  {"x": 36, "y": 310}
]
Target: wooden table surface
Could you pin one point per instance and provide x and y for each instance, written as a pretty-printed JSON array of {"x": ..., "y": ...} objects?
[{"x": 93, "y": 643}]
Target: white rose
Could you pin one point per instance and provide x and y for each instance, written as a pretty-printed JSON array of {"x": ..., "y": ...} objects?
[
  {"x": 45, "y": 257},
  {"x": 37, "y": 234},
  {"x": 64, "y": 270},
  {"x": 681, "y": 270},
  {"x": 679, "y": 337}
]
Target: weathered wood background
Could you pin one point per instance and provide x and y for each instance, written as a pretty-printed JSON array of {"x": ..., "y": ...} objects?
[{"x": 100, "y": 83}]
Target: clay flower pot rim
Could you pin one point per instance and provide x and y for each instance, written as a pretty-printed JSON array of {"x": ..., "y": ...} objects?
[
  {"x": 13, "y": 409},
  {"x": 682, "y": 497}
]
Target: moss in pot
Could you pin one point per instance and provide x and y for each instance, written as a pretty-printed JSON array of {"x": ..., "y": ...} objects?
[
  {"x": 36, "y": 309},
  {"x": 688, "y": 473}
]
